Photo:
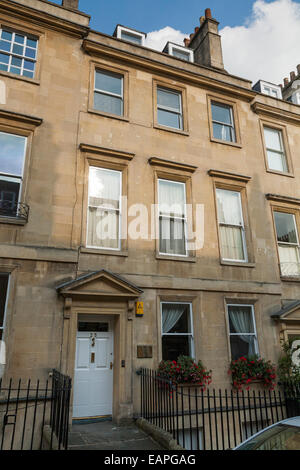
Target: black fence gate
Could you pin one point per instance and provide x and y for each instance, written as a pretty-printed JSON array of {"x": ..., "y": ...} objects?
[
  {"x": 211, "y": 419},
  {"x": 27, "y": 409}
]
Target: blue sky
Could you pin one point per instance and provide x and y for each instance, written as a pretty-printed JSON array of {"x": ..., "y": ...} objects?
[
  {"x": 260, "y": 38},
  {"x": 148, "y": 16}
]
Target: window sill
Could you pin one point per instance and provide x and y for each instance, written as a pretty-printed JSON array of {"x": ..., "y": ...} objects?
[
  {"x": 238, "y": 264},
  {"x": 188, "y": 259},
  {"x": 290, "y": 278},
  {"x": 170, "y": 129},
  {"x": 225, "y": 142},
  {"x": 108, "y": 115},
  {"x": 12, "y": 220},
  {"x": 100, "y": 251},
  {"x": 281, "y": 173},
  {"x": 19, "y": 77}
]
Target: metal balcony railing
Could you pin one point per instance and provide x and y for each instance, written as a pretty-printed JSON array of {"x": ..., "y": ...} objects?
[{"x": 19, "y": 210}]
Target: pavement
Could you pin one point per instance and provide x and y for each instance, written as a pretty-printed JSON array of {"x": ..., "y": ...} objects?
[{"x": 105, "y": 435}]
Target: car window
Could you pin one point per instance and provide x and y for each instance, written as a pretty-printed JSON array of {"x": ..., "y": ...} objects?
[{"x": 279, "y": 437}]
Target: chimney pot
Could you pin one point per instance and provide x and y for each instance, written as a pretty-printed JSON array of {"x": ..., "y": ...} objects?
[
  {"x": 298, "y": 69},
  {"x": 197, "y": 29},
  {"x": 208, "y": 13},
  {"x": 201, "y": 19},
  {"x": 186, "y": 42},
  {"x": 191, "y": 36},
  {"x": 72, "y": 4},
  {"x": 293, "y": 76},
  {"x": 286, "y": 81}
]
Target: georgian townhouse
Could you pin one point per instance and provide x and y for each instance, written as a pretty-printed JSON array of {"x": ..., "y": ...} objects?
[{"x": 149, "y": 205}]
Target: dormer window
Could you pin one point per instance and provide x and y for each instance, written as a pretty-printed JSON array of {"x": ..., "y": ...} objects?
[
  {"x": 268, "y": 89},
  {"x": 130, "y": 35},
  {"x": 180, "y": 52}
]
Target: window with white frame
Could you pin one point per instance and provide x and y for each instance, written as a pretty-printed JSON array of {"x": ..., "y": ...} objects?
[
  {"x": 231, "y": 225},
  {"x": 108, "y": 92},
  {"x": 104, "y": 208},
  {"x": 18, "y": 53},
  {"x": 169, "y": 108},
  {"x": 288, "y": 243},
  {"x": 172, "y": 217},
  {"x": 268, "y": 90},
  {"x": 242, "y": 330},
  {"x": 131, "y": 35},
  {"x": 223, "y": 122},
  {"x": 177, "y": 330},
  {"x": 180, "y": 52},
  {"x": 3, "y": 296},
  {"x": 12, "y": 158},
  {"x": 275, "y": 149}
]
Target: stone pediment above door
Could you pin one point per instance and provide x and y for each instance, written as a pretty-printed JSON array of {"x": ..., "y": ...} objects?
[
  {"x": 289, "y": 313},
  {"x": 99, "y": 284}
]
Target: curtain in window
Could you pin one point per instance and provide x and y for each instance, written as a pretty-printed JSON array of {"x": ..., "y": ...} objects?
[
  {"x": 289, "y": 260},
  {"x": 172, "y": 213},
  {"x": 104, "y": 205},
  {"x": 232, "y": 243},
  {"x": 241, "y": 322},
  {"x": 171, "y": 313}
]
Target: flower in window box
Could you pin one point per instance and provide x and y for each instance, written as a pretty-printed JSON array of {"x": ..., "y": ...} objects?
[
  {"x": 185, "y": 371},
  {"x": 247, "y": 370}
]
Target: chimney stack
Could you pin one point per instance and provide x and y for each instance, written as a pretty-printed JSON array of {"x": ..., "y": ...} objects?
[
  {"x": 298, "y": 69},
  {"x": 72, "y": 4},
  {"x": 286, "y": 81},
  {"x": 293, "y": 76},
  {"x": 206, "y": 42}
]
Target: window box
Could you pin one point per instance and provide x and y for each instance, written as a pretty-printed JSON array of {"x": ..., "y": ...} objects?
[
  {"x": 245, "y": 371},
  {"x": 185, "y": 372}
]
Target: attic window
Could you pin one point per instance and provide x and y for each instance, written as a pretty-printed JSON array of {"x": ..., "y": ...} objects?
[
  {"x": 130, "y": 35},
  {"x": 180, "y": 52}
]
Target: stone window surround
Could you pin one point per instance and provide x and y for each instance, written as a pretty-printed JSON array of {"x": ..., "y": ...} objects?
[
  {"x": 174, "y": 171},
  {"x": 156, "y": 82},
  {"x": 234, "y": 182},
  {"x": 22, "y": 125},
  {"x": 18, "y": 26},
  {"x": 289, "y": 206},
  {"x": 283, "y": 128},
  {"x": 112, "y": 160},
  {"x": 234, "y": 105},
  {"x": 99, "y": 65}
]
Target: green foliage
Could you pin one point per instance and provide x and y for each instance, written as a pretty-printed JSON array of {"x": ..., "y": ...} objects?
[
  {"x": 245, "y": 370},
  {"x": 185, "y": 371},
  {"x": 287, "y": 370}
]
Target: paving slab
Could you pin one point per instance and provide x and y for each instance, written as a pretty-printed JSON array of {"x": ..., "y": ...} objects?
[{"x": 105, "y": 435}]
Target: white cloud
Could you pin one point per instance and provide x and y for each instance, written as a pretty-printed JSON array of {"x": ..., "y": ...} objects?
[
  {"x": 158, "y": 39},
  {"x": 265, "y": 47}
]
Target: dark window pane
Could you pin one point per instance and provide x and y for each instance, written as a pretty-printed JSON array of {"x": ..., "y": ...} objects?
[
  {"x": 28, "y": 65},
  {"x": 5, "y": 46},
  {"x": 27, "y": 73},
  {"x": 181, "y": 54},
  {"x": 240, "y": 319},
  {"x": 109, "y": 82},
  {"x": 221, "y": 113},
  {"x": 176, "y": 318},
  {"x": 6, "y": 35},
  {"x": 165, "y": 118},
  {"x": 131, "y": 37},
  {"x": 9, "y": 196},
  {"x": 4, "y": 67},
  {"x": 108, "y": 104},
  {"x": 92, "y": 326},
  {"x": 15, "y": 70},
  {"x": 32, "y": 43},
  {"x": 240, "y": 347},
  {"x": 223, "y": 132},
  {"x": 17, "y": 49},
  {"x": 285, "y": 227},
  {"x": 16, "y": 61},
  {"x": 3, "y": 293},
  {"x": 31, "y": 53},
  {"x": 4, "y": 58},
  {"x": 168, "y": 99},
  {"x": 19, "y": 39},
  {"x": 174, "y": 346}
]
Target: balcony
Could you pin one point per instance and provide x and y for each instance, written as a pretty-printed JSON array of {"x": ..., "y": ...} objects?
[{"x": 12, "y": 212}]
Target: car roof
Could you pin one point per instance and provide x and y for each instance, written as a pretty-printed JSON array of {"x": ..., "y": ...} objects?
[{"x": 292, "y": 421}]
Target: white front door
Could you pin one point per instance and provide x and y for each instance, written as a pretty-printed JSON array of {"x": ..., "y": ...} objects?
[{"x": 93, "y": 379}]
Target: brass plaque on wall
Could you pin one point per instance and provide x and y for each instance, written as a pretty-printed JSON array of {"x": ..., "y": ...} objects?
[{"x": 144, "y": 352}]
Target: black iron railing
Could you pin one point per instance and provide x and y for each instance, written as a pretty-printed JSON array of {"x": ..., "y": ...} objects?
[
  {"x": 27, "y": 407},
  {"x": 18, "y": 210},
  {"x": 209, "y": 419}
]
